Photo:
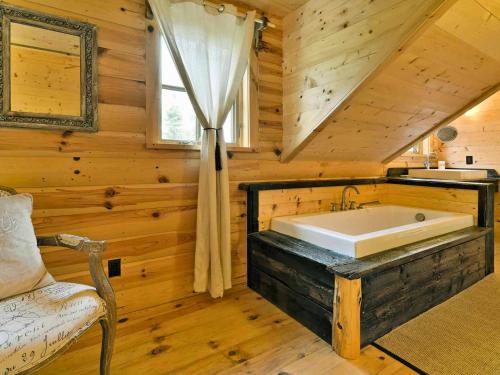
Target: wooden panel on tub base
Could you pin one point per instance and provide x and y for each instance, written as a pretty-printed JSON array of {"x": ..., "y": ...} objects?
[
  {"x": 346, "y": 327},
  {"x": 396, "y": 295},
  {"x": 351, "y": 302}
]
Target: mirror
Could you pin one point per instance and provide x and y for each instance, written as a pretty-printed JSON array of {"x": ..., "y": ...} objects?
[{"x": 49, "y": 71}]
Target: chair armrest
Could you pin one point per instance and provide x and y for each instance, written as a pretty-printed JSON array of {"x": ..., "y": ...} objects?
[
  {"x": 70, "y": 241},
  {"x": 94, "y": 251}
]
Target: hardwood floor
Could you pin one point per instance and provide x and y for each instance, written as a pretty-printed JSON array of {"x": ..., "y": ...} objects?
[{"x": 240, "y": 334}]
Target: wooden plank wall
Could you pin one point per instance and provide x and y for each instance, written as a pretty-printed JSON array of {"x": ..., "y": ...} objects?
[
  {"x": 445, "y": 199},
  {"x": 109, "y": 186},
  {"x": 478, "y": 136}
]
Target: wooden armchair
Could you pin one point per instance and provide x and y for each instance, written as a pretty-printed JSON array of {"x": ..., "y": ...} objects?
[{"x": 68, "y": 296}]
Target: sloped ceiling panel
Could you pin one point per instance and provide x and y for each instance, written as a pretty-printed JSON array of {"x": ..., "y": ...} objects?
[
  {"x": 330, "y": 48},
  {"x": 451, "y": 64}
]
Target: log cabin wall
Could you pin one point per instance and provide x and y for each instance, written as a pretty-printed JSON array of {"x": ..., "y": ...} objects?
[
  {"x": 108, "y": 185},
  {"x": 478, "y": 132}
]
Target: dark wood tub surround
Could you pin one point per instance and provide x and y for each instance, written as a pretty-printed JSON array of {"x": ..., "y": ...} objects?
[{"x": 351, "y": 302}]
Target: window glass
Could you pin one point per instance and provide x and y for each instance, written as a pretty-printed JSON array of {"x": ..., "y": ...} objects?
[
  {"x": 178, "y": 118},
  {"x": 179, "y": 122},
  {"x": 169, "y": 73}
]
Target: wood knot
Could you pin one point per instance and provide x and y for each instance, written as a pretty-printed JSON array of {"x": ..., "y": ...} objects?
[
  {"x": 67, "y": 133},
  {"x": 122, "y": 320},
  {"x": 163, "y": 179},
  {"x": 110, "y": 192},
  {"x": 155, "y": 214},
  {"x": 159, "y": 339},
  {"x": 253, "y": 317},
  {"x": 108, "y": 205},
  {"x": 160, "y": 349},
  {"x": 213, "y": 344}
]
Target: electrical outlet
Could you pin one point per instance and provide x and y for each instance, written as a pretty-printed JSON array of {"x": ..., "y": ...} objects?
[
  {"x": 114, "y": 267},
  {"x": 469, "y": 159}
]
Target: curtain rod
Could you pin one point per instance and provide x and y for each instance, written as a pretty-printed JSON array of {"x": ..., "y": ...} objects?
[{"x": 264, "y": 21}]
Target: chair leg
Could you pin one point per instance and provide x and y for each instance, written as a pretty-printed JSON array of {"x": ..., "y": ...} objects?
[{"x": 108, "y": 340}]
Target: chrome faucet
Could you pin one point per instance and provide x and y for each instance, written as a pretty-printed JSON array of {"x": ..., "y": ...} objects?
[{"x": 343, "y": 203}]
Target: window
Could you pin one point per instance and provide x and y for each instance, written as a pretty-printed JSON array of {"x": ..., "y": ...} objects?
[
  {"x": 419, "y": 149},
  {"x": 178, "y": 119},
  {"x": 172, "y": 120}
]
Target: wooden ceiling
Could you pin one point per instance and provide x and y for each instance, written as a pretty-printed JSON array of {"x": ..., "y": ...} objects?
[
  {"x": 371, "y": 100},
  {"x": 277, "y": 7}
]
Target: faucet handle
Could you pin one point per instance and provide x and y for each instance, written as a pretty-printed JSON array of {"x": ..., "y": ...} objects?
[{"x": 333, "y": 207}]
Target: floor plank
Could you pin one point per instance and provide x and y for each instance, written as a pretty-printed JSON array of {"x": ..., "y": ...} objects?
[{"x": 240, "y": 334}]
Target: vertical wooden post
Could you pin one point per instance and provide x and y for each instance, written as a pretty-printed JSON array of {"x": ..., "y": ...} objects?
[
  {"x": 346, "y": 324},
  {"x": 486, "y": 218},
  {"x": 252, "y": 226}
]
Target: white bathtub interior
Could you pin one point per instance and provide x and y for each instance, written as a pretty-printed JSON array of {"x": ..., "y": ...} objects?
[{"x": 363, "y": 232}]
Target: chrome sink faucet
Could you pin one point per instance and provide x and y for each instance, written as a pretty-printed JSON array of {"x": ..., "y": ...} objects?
[{"x": 343, "y": 203}]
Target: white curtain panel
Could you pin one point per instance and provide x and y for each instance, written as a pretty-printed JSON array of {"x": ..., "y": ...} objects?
[{"x": 211, "y": 50}]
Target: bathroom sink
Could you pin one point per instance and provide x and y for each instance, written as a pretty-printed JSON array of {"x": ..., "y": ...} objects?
[{"x": 449, "y": 174}]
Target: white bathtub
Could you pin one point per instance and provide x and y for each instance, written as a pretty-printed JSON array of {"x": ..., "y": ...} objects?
[{"x": 370, "y": 230}]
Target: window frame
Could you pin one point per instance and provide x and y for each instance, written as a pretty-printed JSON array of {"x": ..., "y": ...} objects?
[{"x": 246, "y": 115}]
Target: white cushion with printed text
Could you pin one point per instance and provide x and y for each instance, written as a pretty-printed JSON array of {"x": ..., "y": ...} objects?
[{"x": 37, "y": 324}]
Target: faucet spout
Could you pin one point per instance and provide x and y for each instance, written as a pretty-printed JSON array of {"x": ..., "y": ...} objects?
[{"x": 343, "y": 203}]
